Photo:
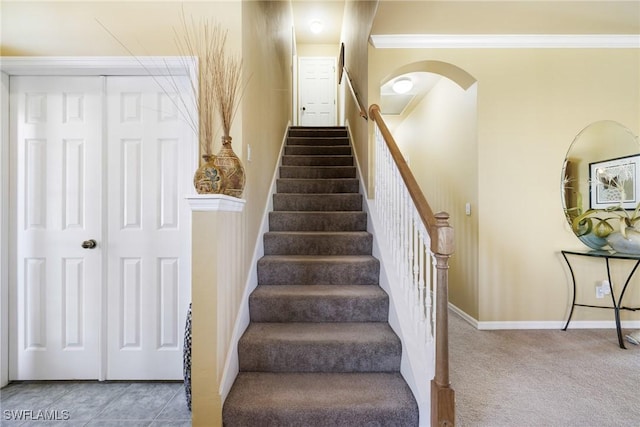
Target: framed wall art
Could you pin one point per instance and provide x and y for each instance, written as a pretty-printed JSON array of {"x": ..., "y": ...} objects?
[{"x": 614, "y": 182}]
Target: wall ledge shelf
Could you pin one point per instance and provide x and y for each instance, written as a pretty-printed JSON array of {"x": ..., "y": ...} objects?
[{"x": 215, "y": 203}]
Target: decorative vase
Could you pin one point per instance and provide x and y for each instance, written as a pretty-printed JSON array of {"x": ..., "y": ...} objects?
[
  {"x": 233, "y": 175},
  {"x": 209, "y": 178},
  {"x": 625, "y": 245}
]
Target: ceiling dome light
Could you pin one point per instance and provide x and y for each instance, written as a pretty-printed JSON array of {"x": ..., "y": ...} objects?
[
  {"x": 402, "y": 85},
  {"x": 315, "y": 26}
]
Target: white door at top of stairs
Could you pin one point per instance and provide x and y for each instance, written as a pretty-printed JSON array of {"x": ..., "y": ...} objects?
[
  {"x": 317, "y": 99},
  {"x": 101, "y": 260}
]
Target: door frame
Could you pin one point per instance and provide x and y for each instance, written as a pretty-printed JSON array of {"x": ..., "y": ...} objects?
[
  {"x": 300, "y": 59},
  {"x": 154, "y": 66}
]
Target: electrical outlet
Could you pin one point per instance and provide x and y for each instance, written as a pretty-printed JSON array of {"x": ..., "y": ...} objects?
[{"x": 603, "y": 289}]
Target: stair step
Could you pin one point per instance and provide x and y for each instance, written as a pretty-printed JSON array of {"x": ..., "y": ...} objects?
[
  {"x": 318, "y": 221},
  {"x": 317, "y": 202},
  {"x": 315, "y": 150},
  {"x": 319, "y": 347},
  {"x": 338, "y": 185},
  {"x": 317, "y": 172},
  {"x": 305, "y": 131},
  {"x": 278, "y": 270},
  {"x": 319, "y": 303},
  {"x": 326, "y": 141},
  {"x": 315, "y": 160},
  {"x": 317, "y": 243},
  {"x": 320, "y": 400}
]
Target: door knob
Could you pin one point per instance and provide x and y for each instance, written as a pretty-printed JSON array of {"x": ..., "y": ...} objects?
[
  {"x": 89, "y": 244},
  {"x": 304, "y": 108}
]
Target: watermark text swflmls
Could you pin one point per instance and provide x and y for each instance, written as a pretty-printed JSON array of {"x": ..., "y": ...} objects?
[{"x": 35, "y": 415}]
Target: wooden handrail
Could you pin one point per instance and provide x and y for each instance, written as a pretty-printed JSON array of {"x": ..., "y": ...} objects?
[
  {"x": 354, "y": 93},
  {"x": 442, "y": 247}
]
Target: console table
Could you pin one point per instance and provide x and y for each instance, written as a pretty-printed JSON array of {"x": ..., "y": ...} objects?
[{"x": 617, "y": 303}]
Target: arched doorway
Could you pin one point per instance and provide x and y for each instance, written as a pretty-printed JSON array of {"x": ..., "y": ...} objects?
[{"x": 433, "y": 119}]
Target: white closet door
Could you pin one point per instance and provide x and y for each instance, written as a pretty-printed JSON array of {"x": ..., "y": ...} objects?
[
  {"x": 56, "y": 166},
  {"x": 116, "y": 311},
  {"x": 149, "y": 144},
  {"x": 317, "y": 91}
]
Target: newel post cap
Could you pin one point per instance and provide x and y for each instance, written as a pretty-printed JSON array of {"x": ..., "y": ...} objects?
[{"x": 444, "y": 243}]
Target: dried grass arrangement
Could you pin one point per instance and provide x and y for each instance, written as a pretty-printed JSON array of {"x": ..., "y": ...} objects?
[{"x": 218, "y": 90}]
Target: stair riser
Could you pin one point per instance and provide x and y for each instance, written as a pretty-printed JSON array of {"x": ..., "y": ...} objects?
[
  {"x": 324, "y": 186},
  {"x": 290, "y": 356},
  {"x": 318, "y": 309},
  {"x": 317, "y": 161},
  {"x": 274, "y": 272},
  {"x": 318, "y": 221},
  {"x": 327, "y": 142},
  {"x": 317, "y": 172},
  {"x": 310, "y": 150},
  {"x": 313, "y": 244},
  {"x": 314, "y": 133},
  {"x": 319, "y": 202}
]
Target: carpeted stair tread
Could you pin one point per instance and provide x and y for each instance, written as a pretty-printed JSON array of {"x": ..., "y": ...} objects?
[
  {"x": 317, "y": 243},
  {"x": 317, "y": 202},
  {"x": 319, "y": 303},
  {"x": 319, "y": 400},
  {"x": 317, "y": 172},
  {"x": 315, "y": 160},
  {"x": 315, "y": 186},
  {"x": 303, "y": 131},
  {"x": 317, "y": 221},
  {"x": 323, "y": 140},
  {"x": 296, "y": 269},
  {"x": 319, "y": 347}
]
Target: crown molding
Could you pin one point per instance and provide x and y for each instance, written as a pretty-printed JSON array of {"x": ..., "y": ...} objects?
[{"x": 506, "y": 41}]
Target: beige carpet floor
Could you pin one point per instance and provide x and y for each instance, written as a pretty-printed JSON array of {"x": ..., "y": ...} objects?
[{"x": 543, "y": 378}]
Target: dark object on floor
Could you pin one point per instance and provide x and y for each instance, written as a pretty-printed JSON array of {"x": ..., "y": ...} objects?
[{"x": 186, "y": 359}]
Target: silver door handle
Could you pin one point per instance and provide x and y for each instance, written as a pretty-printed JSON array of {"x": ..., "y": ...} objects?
[{"x": 89, "y": 244}]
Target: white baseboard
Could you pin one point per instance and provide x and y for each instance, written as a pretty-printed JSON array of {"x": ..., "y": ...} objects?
[
  {"x": 542, "y": 324},
  {"x": 470, "y": 320}
]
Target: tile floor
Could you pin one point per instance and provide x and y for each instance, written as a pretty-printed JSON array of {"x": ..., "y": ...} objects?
[{"x": 94, "y": 404}]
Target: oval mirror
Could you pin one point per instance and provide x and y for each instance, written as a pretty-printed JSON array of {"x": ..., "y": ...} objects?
[{"x": 601, "y": 187}]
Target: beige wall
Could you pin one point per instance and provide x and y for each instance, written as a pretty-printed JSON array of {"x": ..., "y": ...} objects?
[
  {"x": 356, "y": 27},
  {"x": 508, "y": 17},
  {"x": 266, "y": 108},
  {"x": 438, "y": 139},
  {"x": 531, "y": 105},
  {"x": 318, "y": 50},
  {"x": 60, "y": 28}
]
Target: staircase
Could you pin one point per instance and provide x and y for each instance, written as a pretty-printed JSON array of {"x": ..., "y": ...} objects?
[{"x": 319, "y": 350}]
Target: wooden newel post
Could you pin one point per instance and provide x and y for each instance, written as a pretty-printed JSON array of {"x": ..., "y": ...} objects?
[{"x": 442, "y": 395}]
